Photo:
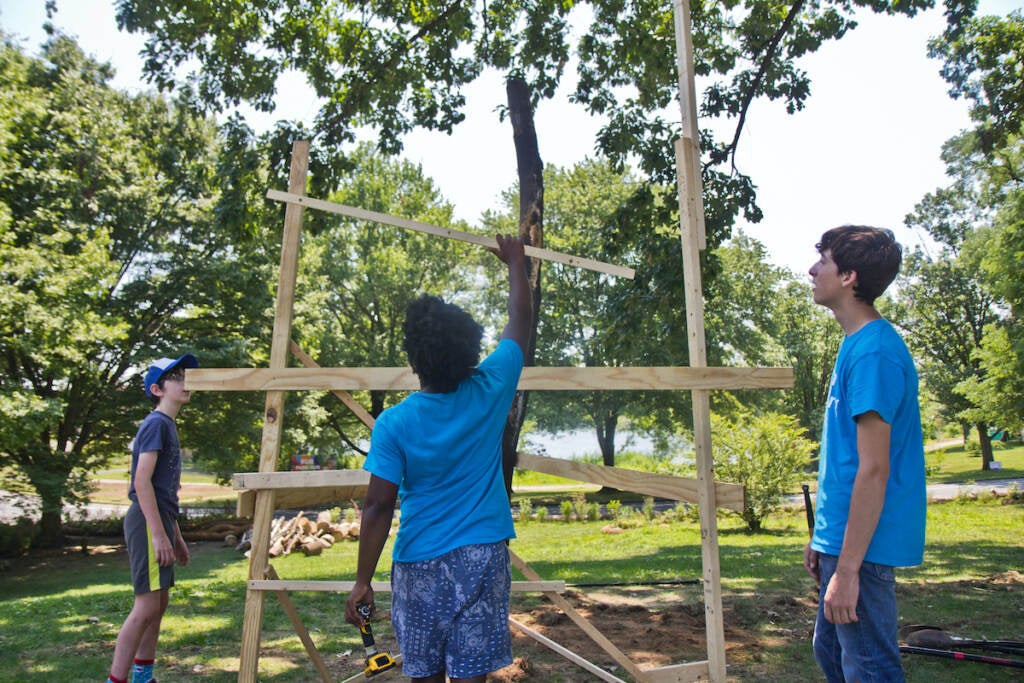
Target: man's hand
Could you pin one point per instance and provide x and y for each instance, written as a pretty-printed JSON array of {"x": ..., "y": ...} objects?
[
  {"x": 811, "y": 563},
  {"x": 841, "y": 597},
  {"x": 361, "y": 594},
  {"x": 510, "y": 249},
  {"x": 181, "y": 553},
  {"x": 163, "y": 549}
]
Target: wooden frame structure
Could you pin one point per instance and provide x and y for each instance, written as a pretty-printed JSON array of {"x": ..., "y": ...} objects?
[{"x": 262, "y": 492}]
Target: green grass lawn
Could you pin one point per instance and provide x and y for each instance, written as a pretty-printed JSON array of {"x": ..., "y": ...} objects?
[
  {"x": 60, "y": 613},
  {"x": 957, "y": 464}
]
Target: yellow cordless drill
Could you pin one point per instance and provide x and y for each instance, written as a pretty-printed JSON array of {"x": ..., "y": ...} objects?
[{"x": 376, "y": 662}]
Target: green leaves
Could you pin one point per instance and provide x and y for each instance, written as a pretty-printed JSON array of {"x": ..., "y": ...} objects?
[{"x": 765, "y": 453}]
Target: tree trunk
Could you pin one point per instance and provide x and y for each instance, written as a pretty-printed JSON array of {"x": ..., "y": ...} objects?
[
  {"x": 531, "y": 215},
  {"x": 985, "y": 443},
  {"x": 51, "y": 504},
  {"x": 606, "y": 428}
]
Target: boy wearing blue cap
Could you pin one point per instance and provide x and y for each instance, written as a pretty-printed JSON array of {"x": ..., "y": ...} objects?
[{"x": 150, "y": 526}]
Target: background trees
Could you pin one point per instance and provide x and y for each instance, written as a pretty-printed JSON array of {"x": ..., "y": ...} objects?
[
  {"x": 107, "y": 247},
  {"x": 963, "y": 304}
]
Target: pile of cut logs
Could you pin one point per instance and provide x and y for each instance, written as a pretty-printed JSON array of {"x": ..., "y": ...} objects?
[{"x": 308, "y": 535}]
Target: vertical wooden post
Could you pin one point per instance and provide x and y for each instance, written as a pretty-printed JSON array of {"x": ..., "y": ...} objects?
[
  {"x": 273, "y": 417},
  {"x": 691, "y": 218}
]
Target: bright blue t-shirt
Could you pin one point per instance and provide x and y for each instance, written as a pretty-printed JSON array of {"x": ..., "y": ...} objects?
[
  {"x": 444, "y": 453},
  {"x": 873, "y": 371}
]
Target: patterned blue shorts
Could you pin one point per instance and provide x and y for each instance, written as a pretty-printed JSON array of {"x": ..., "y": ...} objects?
[{"x": 450, "y": 613}]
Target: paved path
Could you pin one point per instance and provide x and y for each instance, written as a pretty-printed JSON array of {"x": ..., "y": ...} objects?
[{"x": 14, "y": 505}]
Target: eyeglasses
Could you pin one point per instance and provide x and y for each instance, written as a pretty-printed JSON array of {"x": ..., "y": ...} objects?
[{"x": 176, "y": 375}]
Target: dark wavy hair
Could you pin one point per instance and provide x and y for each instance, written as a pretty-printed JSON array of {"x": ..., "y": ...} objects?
[
  {"x": 442, "y": 342},
  {"x": 872, "y": 253}
]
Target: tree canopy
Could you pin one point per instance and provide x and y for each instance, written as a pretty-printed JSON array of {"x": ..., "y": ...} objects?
[{"x": 390, "y": 68}]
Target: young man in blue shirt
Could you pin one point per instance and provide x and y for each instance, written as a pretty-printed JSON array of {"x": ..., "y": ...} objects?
[{"x": 871, "y": 499}]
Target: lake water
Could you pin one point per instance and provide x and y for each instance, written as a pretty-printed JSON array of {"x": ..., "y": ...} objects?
[{"x": 580, "y": 443}]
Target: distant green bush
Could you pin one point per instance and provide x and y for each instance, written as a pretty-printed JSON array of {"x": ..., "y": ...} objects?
[{"x": 16, "y": 539}]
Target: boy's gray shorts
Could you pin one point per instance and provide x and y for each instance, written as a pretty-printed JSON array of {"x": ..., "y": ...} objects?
[{"x": 147, "y": 574}]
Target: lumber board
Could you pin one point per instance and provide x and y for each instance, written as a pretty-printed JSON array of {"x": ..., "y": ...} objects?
[
  {"x": 728, "y": 496},
  {"x": 300, "y": 628},
  {"x": 532, "y": 379},
  {"x": 581, "y": 621},
  {"x": 568, "y": 654},
  {"x": 304, "y": 479},
  {"x": 273, "y": 415},
  {"x": 344, "y": 396},
  {"x": 382, "y": 586},
  {"x": 290, "y": 499},
  {"x": 438, "y": 231},
  {"x": 678, "y": 673}
]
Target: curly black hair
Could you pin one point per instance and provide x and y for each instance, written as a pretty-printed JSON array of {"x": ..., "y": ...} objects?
[{"x": 442, "y": 342}]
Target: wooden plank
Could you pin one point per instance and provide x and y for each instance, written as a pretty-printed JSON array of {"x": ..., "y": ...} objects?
[
  {"x": 678, "y": 673},
  {"x": 568, "y": 654},
  {"x": 608, "y": 646},
  {"x": 383, "y": 586},
  {"x": 305, "y": 479},
  {"x": 289, "y": 499},
  {"x": 532, "y": 379},
  {"x": 273, "y": 416},
  {"x": 688, "y": 114},
  {"x": 728, "y": 496},
  {"x": 689, "y": 187},
  {"x": 344, "y": 396},
  {"x": 438, "y": 231},
  {"x": 300, "y": 629}
]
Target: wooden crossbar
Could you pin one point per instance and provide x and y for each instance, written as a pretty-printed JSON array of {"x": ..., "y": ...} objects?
[
  {"x": 728, "y": 496},
  {"x": 534, "y": 586},
  {"x": 678, "y": 673},
  {"x": 533, "y": 379},
  {"x": 438, "y": 231}
]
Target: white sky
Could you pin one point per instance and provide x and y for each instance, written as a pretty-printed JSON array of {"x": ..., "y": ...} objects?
[{"x": 864, "y": 150}]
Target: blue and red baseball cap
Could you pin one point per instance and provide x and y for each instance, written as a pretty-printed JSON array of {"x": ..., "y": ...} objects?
[{"x": 161, "y": 367}]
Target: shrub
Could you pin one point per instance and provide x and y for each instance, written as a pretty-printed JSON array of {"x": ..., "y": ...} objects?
[
  {"x": 16, "y": 539},
  {"x": 566, "y": 507},
  {"x": 525, "y": 510},
  {"x": 648, "y": 508},
  {"x": 764, "y": 453},
  {"x": 542, "y": 513}
]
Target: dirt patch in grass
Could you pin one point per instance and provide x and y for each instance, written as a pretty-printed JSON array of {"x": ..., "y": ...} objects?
[{"x": 115, "y": 491}]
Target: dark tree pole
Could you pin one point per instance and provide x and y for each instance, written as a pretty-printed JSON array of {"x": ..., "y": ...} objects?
[{"x": 531, "y": 228}]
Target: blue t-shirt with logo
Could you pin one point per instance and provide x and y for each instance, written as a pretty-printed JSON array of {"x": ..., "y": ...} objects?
[
  {"x": 873, "y": 372},
  {"x": 444, "y": 453},
  {"x": 159, "y": 433}
]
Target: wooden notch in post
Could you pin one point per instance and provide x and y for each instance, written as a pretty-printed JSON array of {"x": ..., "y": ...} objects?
[{"x": 438, "y": 231}]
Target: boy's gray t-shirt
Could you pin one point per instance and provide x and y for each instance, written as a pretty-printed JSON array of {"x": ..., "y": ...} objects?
[{"x": 159, "y": 433}]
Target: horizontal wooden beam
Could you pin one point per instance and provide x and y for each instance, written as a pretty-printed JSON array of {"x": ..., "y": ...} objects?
[
  {"x": 383, "y": 586},
  {"x": 438, "y": 231},
  {"x": 241, "y": 481},
  {"x": 300, "y": 498},
  {"x": 533, "y": 379},
  {"x": 728, "y": 496},
  {"x": 678, "y": 673}
]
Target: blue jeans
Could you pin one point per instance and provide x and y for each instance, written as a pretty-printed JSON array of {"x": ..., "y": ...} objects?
[{"x": 867, "y": 650}]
